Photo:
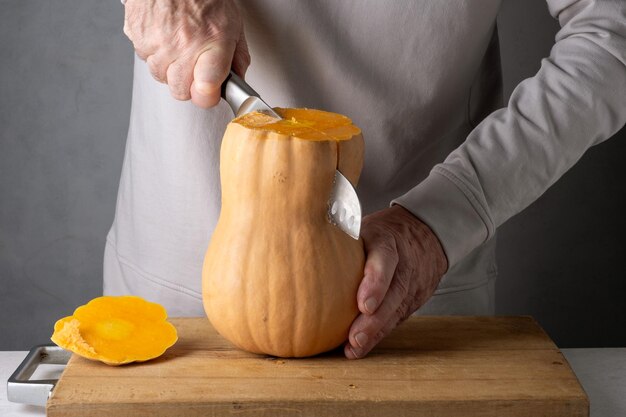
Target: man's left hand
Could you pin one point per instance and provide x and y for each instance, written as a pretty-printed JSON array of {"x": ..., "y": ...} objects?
[{"x": 405, "y": 262}]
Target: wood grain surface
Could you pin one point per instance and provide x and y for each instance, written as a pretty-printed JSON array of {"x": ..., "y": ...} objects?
[{"x": 429, "y": 366}]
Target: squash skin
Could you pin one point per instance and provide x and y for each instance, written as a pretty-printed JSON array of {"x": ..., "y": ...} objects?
[{"x": 278, "y": 278}]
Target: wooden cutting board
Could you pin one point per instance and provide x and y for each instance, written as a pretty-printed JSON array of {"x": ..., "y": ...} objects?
[{"x": 429, "y": 366}]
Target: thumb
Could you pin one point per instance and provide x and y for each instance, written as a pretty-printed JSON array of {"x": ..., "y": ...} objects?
[{"x": 210, "y": 71}]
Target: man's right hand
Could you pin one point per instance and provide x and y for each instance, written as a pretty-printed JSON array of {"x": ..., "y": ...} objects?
[{"x": 190, "y": 45}]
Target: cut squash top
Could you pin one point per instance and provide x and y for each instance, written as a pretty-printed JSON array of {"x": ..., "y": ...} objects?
[
  {"x": 308, "y": 124},
  {"x": 116, "y": 330}
]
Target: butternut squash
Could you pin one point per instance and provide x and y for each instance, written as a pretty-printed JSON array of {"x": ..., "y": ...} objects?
[
  {"x": 116, "y": 330},
  {"x": 278, "y": 277}
]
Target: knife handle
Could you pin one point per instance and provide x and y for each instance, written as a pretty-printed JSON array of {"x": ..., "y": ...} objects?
[{"x": 235, "y": 91}]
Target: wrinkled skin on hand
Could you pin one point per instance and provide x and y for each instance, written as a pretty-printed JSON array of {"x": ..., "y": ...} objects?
[
  {"x": 189, "y": 44},
  {"x": 404, "y": 265}
]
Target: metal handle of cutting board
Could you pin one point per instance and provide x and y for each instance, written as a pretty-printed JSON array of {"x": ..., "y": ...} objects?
[{"x": 36, "y": 392}]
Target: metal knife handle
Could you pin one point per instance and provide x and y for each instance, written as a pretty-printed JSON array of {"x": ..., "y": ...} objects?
[
  {"x": 22, "y": 390},
  {"x": 235, "y": 91}
]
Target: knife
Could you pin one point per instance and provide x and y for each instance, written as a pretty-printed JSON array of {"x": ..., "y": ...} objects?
[{"x": 344, "y": 207}]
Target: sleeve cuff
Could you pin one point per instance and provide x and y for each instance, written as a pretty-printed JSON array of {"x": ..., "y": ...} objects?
[{"x": 447, "y": 206}]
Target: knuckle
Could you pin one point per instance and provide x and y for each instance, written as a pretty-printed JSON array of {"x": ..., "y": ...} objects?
[
  {"x": 241, "y": 65},
  {"x": 131, "y": 21},
  {"x": 387, "y": 249},
  {"x": 141, "y": 54},
  {"x": 378, "y": 239},
  {"x": 369, "y": 326},
  {"x": 379, "y": 335},
  {"x": 375, "y": 273},
  {"x": 140, "y": 48},
  {"x": 156, "y": 69},
  {"x": 246, "y": 59},
  {"x": 242, "y": 55},
  {"x": 370, "y": 269},
  {"x": 126, "y": 30},
  {"x": 151, "y": 61}
]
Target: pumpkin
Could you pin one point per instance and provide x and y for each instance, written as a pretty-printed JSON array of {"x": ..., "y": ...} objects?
[
  {"x": 278, "y": 277},
  {"x": 116, "y": 330}
]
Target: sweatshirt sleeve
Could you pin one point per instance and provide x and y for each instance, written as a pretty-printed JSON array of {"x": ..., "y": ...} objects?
[{"x": 576, "y": 100}]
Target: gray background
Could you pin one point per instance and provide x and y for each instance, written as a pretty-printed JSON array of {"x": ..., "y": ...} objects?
[{"x": 65, "y": 90}]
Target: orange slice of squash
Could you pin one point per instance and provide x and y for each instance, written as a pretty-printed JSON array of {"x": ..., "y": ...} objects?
[{"x": 116, "y": 330}]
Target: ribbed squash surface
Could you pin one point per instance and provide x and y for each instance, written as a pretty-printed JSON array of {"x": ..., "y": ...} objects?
[{"x": 278, "y": 278}]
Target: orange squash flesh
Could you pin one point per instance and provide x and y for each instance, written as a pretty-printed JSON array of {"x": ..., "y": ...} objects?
[
  {"x": 116, "y": 330},
  {"x": 306, "y": 124},
  {"x": 278, "y": 277}
]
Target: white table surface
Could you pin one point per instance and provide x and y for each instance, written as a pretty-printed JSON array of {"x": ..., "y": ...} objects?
[{"x": 601, "y": 371}]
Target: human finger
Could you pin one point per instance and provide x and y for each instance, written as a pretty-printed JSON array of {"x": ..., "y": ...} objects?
[
  {"x": 369, "y": 329},
  {"x": 180, "y": 77},
  {"x": 352, "y": 352},
  {"x": 210, "y": 71},
  {"x": 158, "y": 65},
  {"x": 380, "y": 264}
]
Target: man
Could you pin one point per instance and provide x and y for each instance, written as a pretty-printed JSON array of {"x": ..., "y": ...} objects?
[{"x": 443, "y": 167}]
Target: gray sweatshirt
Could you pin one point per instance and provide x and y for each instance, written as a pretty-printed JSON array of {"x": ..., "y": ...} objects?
[{"x": 421, "y": 78}]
